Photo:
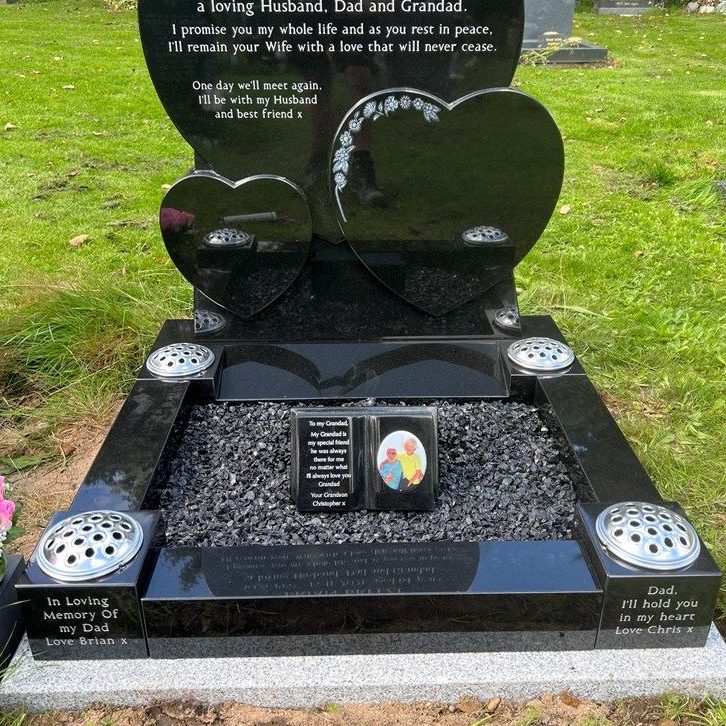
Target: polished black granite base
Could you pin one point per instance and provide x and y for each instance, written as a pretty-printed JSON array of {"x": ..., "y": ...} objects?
[
  {"x": 226, "y": 601},
  {"x": 376, "y": 597}
]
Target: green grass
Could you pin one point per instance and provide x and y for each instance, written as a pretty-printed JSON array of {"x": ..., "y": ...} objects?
[
  {"x": 596, "y": 721},
  {"x": 675, "y": 707},
  {"x": 712, "y": 714},
  {"x": 633, "y": 274},
  {"x": 90, "y": 154},
  {"x": 529, "y": 717}
]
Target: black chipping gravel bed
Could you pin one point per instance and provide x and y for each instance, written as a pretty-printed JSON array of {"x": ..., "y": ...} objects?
[{"x": 503, "y": 470}]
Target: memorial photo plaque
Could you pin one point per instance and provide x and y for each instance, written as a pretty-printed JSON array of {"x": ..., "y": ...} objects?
[
  {"x": 327, "y": 453},
  {"x": 402, "y": 460},
  {"x": 345, "y": 458}
]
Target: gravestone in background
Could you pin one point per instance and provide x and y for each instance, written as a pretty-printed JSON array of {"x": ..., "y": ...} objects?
[
  {"x": 547, "y": 16},
  {"x": 548, "y": 23},
  {"x": 624, "y": 7}
]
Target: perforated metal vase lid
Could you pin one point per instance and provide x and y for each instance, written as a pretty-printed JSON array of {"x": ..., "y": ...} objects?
[
  {"x": 541, "y": 354},
  {"x": 648, "y": 535},
  {"x": 89, "y": 545},
  {"x": 484, "y": 235},
  {"x": 206, "y": 321},
  {"x": 507, "y": 319},
  {"x": 179, "y": 359},
  {"x": 227, "y": 237}
]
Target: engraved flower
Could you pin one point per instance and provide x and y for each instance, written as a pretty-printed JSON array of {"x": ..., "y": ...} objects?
[
  {"x": 340, "y": 180},
  {"x": 355, "y": 124},
  {"x": 390, "y": 104},
  {"x": 369, "y": 109},
  {"x": 340, "y": 159},
  {"x": 405, "y": 102},
  {"x": 430, "y": 111},
  {"x": 418, "y": 103},
  {"x": 346, "y": 139}
]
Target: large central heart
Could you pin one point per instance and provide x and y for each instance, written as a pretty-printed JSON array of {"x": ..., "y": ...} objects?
[{"x": 468, "y": 188}]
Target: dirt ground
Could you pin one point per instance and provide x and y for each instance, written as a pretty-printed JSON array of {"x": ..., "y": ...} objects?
[
  {"x": 49, "y": 488},
  {"x": 550, "y": 710}
]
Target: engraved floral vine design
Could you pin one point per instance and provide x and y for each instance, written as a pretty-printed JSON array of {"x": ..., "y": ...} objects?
[{"x": 372, "y": 110}]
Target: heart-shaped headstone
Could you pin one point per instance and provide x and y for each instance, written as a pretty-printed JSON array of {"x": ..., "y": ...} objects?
[
  {"x": 254, "y": 89},
  {"x": 469, "y": 188},
  {"x": 241, "y": 244}
]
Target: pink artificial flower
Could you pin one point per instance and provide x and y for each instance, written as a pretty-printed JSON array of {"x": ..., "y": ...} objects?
[
  {"x": 7, "y": 509},
  {"x": 2, "y": 488}
]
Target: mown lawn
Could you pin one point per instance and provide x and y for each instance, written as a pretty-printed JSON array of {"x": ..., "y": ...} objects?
[
  {"x": 631, "y": 267},
  {"x": 635, "y": 272}
]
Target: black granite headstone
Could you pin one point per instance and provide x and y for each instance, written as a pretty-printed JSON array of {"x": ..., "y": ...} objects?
[
  {"x": 330, "y": 120},
  {"x": 260, "y": 87}
]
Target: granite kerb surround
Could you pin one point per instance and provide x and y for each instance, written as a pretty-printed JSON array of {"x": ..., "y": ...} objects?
[{"x": 195, "y": 602}]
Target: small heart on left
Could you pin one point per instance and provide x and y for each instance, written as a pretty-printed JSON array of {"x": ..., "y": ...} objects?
[{"x": 240, "y": 243}]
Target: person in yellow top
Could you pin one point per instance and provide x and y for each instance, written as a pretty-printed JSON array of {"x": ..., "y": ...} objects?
[{"x": 411, "y": 462}]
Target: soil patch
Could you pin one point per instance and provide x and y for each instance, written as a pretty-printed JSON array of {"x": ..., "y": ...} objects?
[
  {"x": 51, "y": 487},
  {"x": 550, "y": 710}
]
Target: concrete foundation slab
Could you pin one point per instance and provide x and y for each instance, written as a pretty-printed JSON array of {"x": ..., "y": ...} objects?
[{"x": 310, "y": 681}]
